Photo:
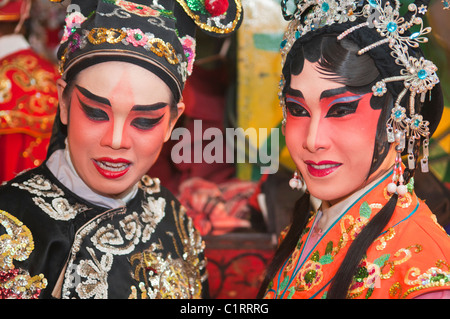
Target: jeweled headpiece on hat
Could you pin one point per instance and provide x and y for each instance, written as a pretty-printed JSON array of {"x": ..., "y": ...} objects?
[
  {"x": 158, "y": 35},
  {"x": 377, "y": 26}
]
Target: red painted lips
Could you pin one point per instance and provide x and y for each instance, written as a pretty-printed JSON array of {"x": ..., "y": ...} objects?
[
  {"x": 322, "y": 168},
  {"x": 111, "y": 168}
]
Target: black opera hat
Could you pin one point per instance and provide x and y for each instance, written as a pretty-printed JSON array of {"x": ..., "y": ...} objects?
[{"x": 157, "y": 35}]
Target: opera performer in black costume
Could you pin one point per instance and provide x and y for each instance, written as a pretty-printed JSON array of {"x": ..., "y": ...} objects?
[{"x": 89, "y": 222}]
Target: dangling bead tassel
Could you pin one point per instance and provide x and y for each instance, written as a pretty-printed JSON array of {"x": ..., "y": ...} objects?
[
  {"x": 296, "y": 182},
  {"x": 424, "y": 160},
  {"x": 400, "y": 138},
  {"x": 411, "y": 161},
  {"x": 397, "y": 186},
  {"x": 392, "y": 186},
  {"x": 401, "y": 188},
  {"x": 390, "y": 133}
]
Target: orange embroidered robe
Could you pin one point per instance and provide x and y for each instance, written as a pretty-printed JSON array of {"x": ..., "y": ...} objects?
[
  {"x": 28, "y": 104},
  {"x": 409, "y": 258}
]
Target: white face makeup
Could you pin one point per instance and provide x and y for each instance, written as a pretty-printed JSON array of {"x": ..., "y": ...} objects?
[
  {"x": 118, "y": 121},
  {"x": 330, "y": 133}
]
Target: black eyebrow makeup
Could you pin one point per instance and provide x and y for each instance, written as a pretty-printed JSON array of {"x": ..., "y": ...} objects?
[{"x": 92, "y": 96}]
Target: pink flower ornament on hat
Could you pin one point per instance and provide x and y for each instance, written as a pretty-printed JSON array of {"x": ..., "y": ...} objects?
[
  {"x": 136, "y": 37},
  {"x": 188, "y": 43},
  {"x": 72, "y": 22}
]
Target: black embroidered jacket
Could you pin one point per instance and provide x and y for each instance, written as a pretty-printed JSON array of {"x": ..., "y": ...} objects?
[{"x": 54, "y": 244}]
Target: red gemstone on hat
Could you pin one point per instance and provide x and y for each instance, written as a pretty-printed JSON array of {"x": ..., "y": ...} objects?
[{"x": 216, "y": 7}]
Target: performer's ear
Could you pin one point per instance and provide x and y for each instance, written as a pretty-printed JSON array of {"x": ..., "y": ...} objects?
[
  {"x": 63, "y": 103},
  {"x": 180, "y": 109}
]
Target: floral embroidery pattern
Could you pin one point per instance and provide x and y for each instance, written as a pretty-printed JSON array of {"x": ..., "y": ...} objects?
[
  {"x": 136, "y": 37},
  {"x": 189, "y": 43},
  {"x": 152, "y": 215},
  {"x": 75, "y": 43},
  {"x": 58, "y": 208},
  {"x": 160, "y": 274},
  {"x": 72, "y": 22},
  {"x": 311, "y": 273},
  {"x": 34, "y": 109},
  {"x": 169, "y": 277},
  {"x": 95, "y": 285},
  {"x": 5, "y": 90},
  {"x": 164, "y": 277},
  {"x": 369, "y": 274},
  {"x": 350, "y": 227},
  {"x": 433, "y": 277},
  {"x": 133, "y": 229},
  {"x": 96, "y": 274},
  {"x": 390, "y": 233},
  {"x": 391, "y": 268},
  {"x": 40, "y": 186},
  {"x": 367, "y": 277},
  {"x": 135, "y": 8},
  {"x": 125, "y": 36}
]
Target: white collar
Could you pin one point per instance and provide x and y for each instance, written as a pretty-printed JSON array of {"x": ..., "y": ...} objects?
[{"x": 12, "y": 43}]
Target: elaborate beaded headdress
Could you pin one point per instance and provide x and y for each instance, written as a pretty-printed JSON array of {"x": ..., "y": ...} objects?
[{"x": 373, "y": 25}]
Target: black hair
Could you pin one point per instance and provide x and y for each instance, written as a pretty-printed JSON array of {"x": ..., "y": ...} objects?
[{"x": 339, "y": 62}]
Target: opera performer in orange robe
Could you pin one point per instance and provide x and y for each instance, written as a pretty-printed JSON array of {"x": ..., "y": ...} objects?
[{"x": 359, "y": 99}]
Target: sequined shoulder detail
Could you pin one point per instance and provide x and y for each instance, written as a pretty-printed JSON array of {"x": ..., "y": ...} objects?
[
  {"x": 50, "y": 198},
  {"x": 17, "y": 244}
]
